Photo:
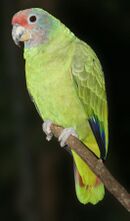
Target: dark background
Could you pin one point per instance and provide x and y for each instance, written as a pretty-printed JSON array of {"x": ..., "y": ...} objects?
[{"x": 36, "y": 177}]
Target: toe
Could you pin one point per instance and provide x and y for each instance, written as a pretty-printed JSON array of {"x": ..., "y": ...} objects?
[
  {"x": 46, "y": 126},
  {"x": 65, "y": 135}
]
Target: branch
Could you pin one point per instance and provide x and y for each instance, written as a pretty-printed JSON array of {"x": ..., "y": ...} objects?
[{"x": 97, "y": 166}]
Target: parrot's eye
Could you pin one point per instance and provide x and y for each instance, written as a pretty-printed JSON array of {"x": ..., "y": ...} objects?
[{"x": 32, "y": 19}]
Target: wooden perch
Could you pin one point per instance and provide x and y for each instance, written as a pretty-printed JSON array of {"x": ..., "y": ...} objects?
[{"x": 97, "y": 166}]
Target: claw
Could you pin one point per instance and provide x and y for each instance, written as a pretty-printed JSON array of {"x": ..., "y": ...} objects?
[
  {"x": 65, "y": 134},
  {"x": 46, "y": 126}
]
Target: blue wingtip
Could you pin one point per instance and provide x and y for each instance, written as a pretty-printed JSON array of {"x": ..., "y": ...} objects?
[{"x": 99, "y": 134}]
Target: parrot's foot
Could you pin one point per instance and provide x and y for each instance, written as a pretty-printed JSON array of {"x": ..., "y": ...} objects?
[
  {"x": 65, "y": 134},
  {"x": 46, "y": 126}
]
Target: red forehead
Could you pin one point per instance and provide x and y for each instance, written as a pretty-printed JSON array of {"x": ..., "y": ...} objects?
[{"x": 21, "y": 18}]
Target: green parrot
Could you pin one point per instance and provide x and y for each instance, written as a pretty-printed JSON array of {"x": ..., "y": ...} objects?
[{"x": 65, "y": 80}]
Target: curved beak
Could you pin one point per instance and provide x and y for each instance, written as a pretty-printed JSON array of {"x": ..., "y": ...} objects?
[{"x": 20, "y": 34}]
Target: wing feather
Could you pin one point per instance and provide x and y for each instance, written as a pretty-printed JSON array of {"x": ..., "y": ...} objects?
[{"x": 90, "y": 86}]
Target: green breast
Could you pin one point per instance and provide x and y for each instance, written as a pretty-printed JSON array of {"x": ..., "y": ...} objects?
[{"x": 51, "y": 86}]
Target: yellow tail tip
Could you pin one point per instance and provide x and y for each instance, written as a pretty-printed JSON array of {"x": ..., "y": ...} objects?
[{"x": 90, "y": 194}]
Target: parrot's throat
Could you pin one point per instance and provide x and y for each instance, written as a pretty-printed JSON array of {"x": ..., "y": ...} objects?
[
  {"x": 51, "y": 43},
  {"x": 37, "y": 38},
  {"x": 46, "y": 37}
]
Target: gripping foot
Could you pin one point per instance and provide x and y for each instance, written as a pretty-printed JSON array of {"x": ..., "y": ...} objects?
[
  {"x": 46, "y": 126},
  {"x": 65, "y": 134}
]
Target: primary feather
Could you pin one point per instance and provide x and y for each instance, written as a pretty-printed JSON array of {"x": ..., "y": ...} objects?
[{"x": 66, "y": 82}]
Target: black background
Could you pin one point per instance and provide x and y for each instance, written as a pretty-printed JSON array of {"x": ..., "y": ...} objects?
[{"x": 36, "y": 177}]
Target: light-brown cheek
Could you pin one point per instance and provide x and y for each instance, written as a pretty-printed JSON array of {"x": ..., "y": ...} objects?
[{"x": 26, "y": 36}]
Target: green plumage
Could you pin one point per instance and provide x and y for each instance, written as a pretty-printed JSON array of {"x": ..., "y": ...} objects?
[{"x": 66, "y": 83}]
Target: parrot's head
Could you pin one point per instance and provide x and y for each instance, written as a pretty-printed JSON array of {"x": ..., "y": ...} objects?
[{"x": 33, "y": 27}]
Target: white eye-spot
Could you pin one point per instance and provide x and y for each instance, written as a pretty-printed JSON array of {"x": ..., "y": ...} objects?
[{"x": 32, "y": 19}]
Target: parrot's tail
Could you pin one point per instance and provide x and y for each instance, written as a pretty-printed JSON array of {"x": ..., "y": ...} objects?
[{"x": 89, "y": 188}]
